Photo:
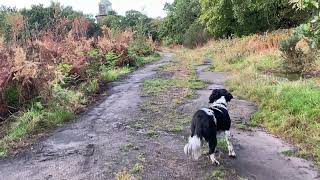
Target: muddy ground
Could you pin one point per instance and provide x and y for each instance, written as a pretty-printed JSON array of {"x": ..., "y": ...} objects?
[{"x": 116, "y": 135}]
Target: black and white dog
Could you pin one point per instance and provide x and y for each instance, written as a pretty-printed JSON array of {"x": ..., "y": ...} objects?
[{"x": 207, "y": 122}]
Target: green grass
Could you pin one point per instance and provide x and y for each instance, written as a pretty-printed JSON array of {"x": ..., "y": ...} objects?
[
  {"x": 244, "y": 127},
  {"x": 31, "y": 121},
  {"x": 288, "y": 153},
  {"x": 113, "y": 74},
  {"x": 90, "y": 87},
  {"x": 137, "y": 168},
  {"x": 24, "y": 124},
  {"x": 152, "y": 58},
  {"x": 222, "y": 144},
  {"x": 159, "y": 85},
  {"x": 218, "y": 174},
  {"x": 153, "y": 134},
  {"x": 129, "y": 147},
  {"x": 288, "y": 109}
]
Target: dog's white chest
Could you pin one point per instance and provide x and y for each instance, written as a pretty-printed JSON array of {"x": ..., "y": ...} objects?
[{"x": 209, "y": 112}]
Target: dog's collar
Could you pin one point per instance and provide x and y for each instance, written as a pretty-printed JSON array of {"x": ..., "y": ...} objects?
[
  {"x": 215, "y": 108},
  {"x": 210, "y": 112},
  {"x": 222, "y": 103}
]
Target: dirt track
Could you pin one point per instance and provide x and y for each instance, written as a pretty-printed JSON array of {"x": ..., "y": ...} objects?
[{"x": 101, "y": 143}]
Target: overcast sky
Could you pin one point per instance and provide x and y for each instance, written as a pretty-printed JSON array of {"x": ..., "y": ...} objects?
[{"x": 152, "y": 8}]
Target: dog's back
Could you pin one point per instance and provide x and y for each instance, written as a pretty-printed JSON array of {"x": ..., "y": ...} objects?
[
  {"x": 223, "y": 119},
  {"x": 203, "y": 125}
]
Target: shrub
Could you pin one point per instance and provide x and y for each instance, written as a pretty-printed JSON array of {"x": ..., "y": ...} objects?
[
  {"x": 141, "y": 47},
  {"x": 295, "y": 59},
  {"x": 11, "y": 96},
  {"x": 90, "y": 87},
  {"x": 113, "y": 74}
]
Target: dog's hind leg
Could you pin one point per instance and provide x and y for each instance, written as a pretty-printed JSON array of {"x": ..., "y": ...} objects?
[
  {"x": 212, "y": 147},
  {"x": 230, "y": 146}
]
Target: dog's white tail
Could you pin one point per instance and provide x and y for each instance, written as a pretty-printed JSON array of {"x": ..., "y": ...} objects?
[{"x": 193, "y": 148}]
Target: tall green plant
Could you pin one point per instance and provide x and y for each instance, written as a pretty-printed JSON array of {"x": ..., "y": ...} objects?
[{"x": 311, "y": 29}]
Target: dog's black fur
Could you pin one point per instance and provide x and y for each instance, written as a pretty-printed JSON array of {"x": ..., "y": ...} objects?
[
  {"x": 218, "y": 93},
  {"x": 203, "y": 125}
]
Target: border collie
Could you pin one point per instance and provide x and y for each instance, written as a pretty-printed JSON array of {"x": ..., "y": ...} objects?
[{"x": 207, "y": 122}]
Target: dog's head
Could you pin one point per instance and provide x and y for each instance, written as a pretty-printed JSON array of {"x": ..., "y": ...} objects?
[{"x": 218, "y": 93}]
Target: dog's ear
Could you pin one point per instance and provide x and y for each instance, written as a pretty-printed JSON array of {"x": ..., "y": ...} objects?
[
  {"x": 215, "y": 95},
  {"x": 227, "y": 95}
]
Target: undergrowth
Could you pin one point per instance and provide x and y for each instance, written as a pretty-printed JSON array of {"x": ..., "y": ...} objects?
[{"x": 51, "y": 75}]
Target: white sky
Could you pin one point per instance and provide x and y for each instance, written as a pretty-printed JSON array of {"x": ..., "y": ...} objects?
[{"x": 153, "y": 8}]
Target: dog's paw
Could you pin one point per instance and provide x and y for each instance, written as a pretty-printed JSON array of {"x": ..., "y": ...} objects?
[{"x": 214, "y": 160}]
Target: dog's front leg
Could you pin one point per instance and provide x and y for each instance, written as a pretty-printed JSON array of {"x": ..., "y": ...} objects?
[
  {"x": 212, "y": 147},
  {"x": 230, "y": 147}
]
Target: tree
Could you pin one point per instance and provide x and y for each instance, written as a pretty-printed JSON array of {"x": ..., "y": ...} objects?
[
  {"x": 4, "y": 25},
  {"x": 137, "y": 21},
  {"x": 181, "y": 15},
  {"x": 41, "y": 18},
  {"x": 311, "y": 29},
  {"x": 114, "y": 21},
  {"x": 243, "y": 17},
  {"x": 217, "y": 16}
]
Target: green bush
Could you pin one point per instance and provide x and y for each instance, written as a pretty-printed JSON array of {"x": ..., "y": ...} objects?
[
  {"x": 295, "y": 60},
  {"x": 90, "y": 87},
  {"x": 113, "y": 74},
  {"x": 141, "y": 47},
  {"x": 11, "y": 96},
  {"x": 112, "y": 59}
]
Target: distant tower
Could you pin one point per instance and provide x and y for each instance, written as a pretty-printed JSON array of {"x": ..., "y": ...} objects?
[{"x": 104, "y": 7}]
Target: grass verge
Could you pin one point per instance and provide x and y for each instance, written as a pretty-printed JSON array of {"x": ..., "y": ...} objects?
[{"x": 286, "y": 108}]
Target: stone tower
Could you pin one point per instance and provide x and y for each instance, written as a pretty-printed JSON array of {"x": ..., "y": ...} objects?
[{"x": 104, "y": 7}]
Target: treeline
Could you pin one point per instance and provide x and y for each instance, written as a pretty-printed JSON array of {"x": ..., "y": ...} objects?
[
  {"x": 191, "y": 22},
  {"x": 135, "y": 21},
  {"x": 26, "y": 23}
]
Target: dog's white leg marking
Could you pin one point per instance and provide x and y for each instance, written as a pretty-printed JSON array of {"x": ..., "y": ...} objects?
[
  {"x": 214, "y": 160},
  {"x": 230, "y": 147}
]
